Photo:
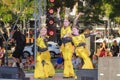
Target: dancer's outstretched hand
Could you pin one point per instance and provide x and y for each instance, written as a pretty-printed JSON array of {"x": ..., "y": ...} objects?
[{"x": 58, "y": 10}]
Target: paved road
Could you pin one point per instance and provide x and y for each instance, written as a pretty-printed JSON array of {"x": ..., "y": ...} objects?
[{"x": 58, "y": 76}]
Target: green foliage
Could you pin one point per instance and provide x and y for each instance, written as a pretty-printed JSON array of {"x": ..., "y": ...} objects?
[
  {"x": 117, "y": 19},
  {"x": 7, "y": 18},
  {"x": 9, "y": 10},
  {"x": 92, "y": 11},
  {"x": 9, "y": 13},
  {"x": 107, "y": 8},
  {"x": 97, "y": 8},
  {"x": 111, "y": 8}
]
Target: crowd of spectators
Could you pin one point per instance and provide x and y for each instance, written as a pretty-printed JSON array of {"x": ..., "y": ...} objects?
[
  {"x": 104, "y": 51},
  {"x": 29, "y": 63}
]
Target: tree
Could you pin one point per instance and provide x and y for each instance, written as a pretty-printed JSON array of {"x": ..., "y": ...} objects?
[
  {"x": 112, "y": 9},
  {"x": 10, "y": 9},
  {"x": 92, "y": 11}
]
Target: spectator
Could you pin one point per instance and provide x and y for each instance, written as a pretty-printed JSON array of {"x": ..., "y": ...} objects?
[
  {"x": 20, "y": 40},
  {"x": 26, "y": 64},
  {"x": 32, "y": 64},
  {"x": 10, "y": 64},
  {"x": 76, "y": 61},
  {"x": 114, "y": 49},
  {"x": 102, "y": 50},
  {"x": 59, "y": 63},
  {"x": 95, "y": 61}
]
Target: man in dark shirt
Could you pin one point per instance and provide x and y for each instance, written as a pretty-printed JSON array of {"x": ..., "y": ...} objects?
[
  {"x": 114, "y": 48},
  {"x": 19, "y": 38}
]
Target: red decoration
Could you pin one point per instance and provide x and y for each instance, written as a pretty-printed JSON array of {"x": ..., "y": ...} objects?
[
  {"x": 51, "y": 32},
  {"x": 52, "y": 1}
]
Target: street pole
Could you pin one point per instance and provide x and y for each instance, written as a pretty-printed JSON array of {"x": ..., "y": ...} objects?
[
  {"x": 35, "y": 10},
  {"x": 108, "y": 31},
  {"x": 38, "y": 12}
]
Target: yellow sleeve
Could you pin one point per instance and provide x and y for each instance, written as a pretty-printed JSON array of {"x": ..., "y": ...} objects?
[
  {"x": 78, "y": 39},
  {"x": 65, "y": 31},
  {"x": 69, "y": 30},
  {"x": 75, "y": 40},
  {"x": 83, "y": 39},
  {"x": 40, "y": 42}
]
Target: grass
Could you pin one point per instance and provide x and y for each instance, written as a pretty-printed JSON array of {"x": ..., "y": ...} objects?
[{"x": 32, "y": 70}]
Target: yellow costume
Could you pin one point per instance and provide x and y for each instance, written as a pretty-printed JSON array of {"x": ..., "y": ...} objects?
[
  {"x": 44, "y": 67},
  {"x": 79, "y": 42},
  {"x": 67, "y": 52}
]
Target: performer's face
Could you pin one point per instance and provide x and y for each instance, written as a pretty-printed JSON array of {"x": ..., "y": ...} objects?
[
  {"x": 75, "y": 31},
  {"x": 66, "y": 23},
  {"x": 115, "y": 43},
  {"x": 43, "y": 31}
]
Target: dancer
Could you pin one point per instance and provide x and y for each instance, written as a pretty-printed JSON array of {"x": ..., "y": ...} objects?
[
  {"x": 67, "y": 48},
  {"x": 79, "y": 41},
  {"x": 44, "y": 67}
]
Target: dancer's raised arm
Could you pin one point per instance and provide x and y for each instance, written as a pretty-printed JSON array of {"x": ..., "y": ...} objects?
[
  {"x": 59, "y": 20},
  {"x": 58, "y": 13},
  {"x": 76, "y": 18}
]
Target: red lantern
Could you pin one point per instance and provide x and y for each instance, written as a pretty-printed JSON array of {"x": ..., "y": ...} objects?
[
  {"x": 51, "y": 32},
  {"x": 51, "y": 11},
  {"x": 52, "y": 1},
  {"x": 51, "y": 22}
]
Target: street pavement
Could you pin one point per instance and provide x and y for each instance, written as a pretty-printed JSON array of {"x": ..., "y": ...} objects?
[{"x": 58, "y": 76}]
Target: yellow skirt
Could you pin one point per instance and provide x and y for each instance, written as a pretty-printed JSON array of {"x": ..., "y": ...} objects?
[
  {"x": 44, "y": 67},
  {"x": 84, "y": 54},
  {"x": 67, "y": 52}
]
